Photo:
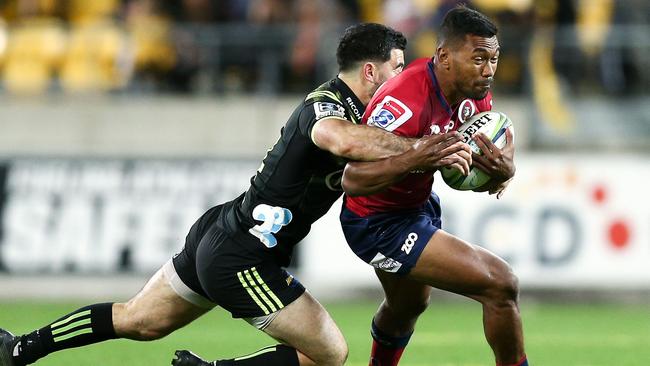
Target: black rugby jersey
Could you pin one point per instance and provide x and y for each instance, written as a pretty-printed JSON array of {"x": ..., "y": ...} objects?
[{"x": 297, "y": 182}]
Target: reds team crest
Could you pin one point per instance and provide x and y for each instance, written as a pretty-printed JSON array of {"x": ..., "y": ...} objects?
[{"x": 466, "y": 110}]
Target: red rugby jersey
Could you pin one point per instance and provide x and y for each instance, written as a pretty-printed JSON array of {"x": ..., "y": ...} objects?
[{"x": 412, "y": 105}]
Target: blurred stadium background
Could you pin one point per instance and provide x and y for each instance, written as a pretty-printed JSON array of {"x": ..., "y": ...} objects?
[{"x": 122, "y": 120}]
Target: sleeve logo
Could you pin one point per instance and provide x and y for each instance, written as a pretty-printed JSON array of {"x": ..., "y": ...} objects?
[
  {"x": 327, "y": 109},
  {"x": 389, "y": 114}
]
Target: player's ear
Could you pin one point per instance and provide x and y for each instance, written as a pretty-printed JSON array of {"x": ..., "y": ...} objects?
[
  {"x": 443, "y": 56},
  {"x": 369, "y": 72}
]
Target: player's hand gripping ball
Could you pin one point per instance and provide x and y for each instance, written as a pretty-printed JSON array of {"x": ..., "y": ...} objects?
[{"x": 494, "y": 125}]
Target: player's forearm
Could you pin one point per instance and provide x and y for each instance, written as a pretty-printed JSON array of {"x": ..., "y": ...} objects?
[
  {"x": 365, "y": 178},
  {"x": 364, "y": 143},
  {"x": 358, "y": 142}
]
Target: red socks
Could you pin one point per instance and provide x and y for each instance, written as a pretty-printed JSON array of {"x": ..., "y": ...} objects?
[
  {"x": 522, "y": 362},
  {"x": 384, "y": 356},
  {"x": 386, "y": 350}
]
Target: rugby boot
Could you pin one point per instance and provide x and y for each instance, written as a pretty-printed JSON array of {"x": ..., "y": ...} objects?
[
  {"x": 7, "y": 343},
  {"x": 187, "y": 358}
]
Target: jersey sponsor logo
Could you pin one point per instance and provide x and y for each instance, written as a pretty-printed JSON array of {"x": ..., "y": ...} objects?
[
  {"x": 466, "y": 109},
  {"x": 385, "y": 264},
  {"x": 390, "y": 114},
  {"x": 327, "y": 109},
  {"x": 273, "y": 219},
  {"x": 354, "y": 108},
  {"x": 449, "y": 126},
  {"x": 409, "y": 243},
  {"x": 435, "y": 129}
]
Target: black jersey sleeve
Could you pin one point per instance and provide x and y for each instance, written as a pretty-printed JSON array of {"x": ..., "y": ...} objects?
[{"x": 318, "y": 109}]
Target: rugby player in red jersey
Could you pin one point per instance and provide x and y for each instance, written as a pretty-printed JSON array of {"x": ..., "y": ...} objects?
[{"x": 396, "y": 225}]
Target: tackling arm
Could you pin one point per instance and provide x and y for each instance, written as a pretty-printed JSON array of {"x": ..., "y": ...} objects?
[
  {"x": 357, "y": 142},
  {"x": 427, "y": 154}
]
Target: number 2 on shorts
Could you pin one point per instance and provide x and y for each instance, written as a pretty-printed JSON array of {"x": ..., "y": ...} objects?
[{"x": 273, "y": 219}]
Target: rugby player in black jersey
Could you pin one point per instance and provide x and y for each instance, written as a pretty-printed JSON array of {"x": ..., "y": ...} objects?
[{"x": 235, "y": 253}]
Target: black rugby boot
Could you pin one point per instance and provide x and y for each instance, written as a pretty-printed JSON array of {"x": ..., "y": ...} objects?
[
  {"x": 7, "y": 344},
  {"x": 187, "y": 358}
]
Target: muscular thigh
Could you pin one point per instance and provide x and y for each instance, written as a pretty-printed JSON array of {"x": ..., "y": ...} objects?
[{"x": 452, "y": 264}]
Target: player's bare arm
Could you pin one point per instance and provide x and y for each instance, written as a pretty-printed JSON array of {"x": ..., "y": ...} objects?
[
  {"x": 358, "y": 142},
  {"x": 427, "y": 154},
  {"x": 497, "y": 163}
]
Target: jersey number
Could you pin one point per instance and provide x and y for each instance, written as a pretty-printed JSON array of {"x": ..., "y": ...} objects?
[{"x": 273, "y": 219}]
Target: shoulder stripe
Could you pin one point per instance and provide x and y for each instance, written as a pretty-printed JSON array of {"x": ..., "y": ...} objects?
[{"x": 323, "y": 93}]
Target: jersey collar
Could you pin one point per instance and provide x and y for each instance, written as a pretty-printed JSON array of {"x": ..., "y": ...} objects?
[
  {"x": 436, "y": 88},
  {"x": 350, "y": 100}
]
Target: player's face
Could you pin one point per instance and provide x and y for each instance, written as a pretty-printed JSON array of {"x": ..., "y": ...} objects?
[
  {"x": 475, "y": 63},
  {"x": 390, "y": 68}
]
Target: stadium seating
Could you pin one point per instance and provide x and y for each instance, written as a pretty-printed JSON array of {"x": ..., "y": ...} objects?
[
  {"x": 93, "y": 58},
  {"x": 34, "y": 51}
]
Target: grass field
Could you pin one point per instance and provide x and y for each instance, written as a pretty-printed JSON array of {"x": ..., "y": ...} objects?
[{"x": 449, "y": 333}]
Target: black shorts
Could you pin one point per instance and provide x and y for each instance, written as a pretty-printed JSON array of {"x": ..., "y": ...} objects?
[{"x": 217, "y": 266}]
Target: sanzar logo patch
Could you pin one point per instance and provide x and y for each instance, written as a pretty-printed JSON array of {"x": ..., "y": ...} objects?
[
  {"x": 390, "y": 114},
  {"x": 327, "y": 109}
]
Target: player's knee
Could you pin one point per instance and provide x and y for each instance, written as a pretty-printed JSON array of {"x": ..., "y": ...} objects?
[
  {"x": 505, "y": 286},
  {"x": 337, "y": 355},
  {"x": 418, "y": 306},
  {"x": 409, "y": 307},
  {"x": 334, "y": 352}
]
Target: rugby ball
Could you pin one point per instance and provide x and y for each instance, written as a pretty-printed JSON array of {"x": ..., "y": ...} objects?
[{"x": 494, "y": 125}]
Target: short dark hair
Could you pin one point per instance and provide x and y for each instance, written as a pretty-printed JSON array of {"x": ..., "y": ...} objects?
[
  {"x": 367, "y": 42},
  {"x": 461, "y": 21}
]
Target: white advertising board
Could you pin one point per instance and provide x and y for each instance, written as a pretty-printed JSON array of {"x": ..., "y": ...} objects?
[{"x": 565, "y": 221}]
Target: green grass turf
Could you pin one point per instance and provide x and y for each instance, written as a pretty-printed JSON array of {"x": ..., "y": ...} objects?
[{"x": 449, "y": 333}]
